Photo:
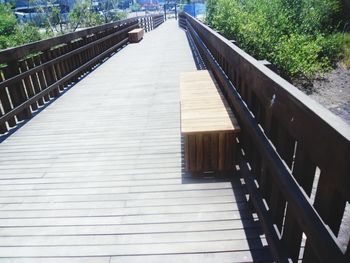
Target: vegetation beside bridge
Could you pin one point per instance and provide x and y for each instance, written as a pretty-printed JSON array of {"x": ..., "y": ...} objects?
[
  {"x": 302, "y": 38},
  {"x": 52, "y": 22}
]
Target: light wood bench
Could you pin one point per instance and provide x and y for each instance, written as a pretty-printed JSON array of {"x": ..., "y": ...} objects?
[
  {"x": 208, "y": 125},
  {"x": 136, "y": 35}
]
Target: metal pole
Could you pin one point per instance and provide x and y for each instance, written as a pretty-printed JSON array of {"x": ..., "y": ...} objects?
[
  {"x": 194, "y": 9},
  {"x": 165, "y": 11},
  {"x": 175, "y": 11}
]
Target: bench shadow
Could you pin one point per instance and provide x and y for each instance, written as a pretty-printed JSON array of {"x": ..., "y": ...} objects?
[{"x": 254, "y": 235}]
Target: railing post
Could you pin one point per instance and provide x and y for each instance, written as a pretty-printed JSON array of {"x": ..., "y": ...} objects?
[
  {"x": 6, "y": 103},
  {"x": 165, "y": 12},
  {"x": 175, "y": 11},
  {"x": 17, "y": 91},
  {"x": 5, "y": 106}
]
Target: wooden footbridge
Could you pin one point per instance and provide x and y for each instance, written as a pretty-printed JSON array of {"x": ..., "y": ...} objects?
[{"x": 92, "y": 165}]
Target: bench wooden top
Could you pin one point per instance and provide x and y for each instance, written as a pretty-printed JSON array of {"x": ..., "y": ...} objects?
[
  {"x": 203, "y": 107},
  {"x": 136, "y": 30}
]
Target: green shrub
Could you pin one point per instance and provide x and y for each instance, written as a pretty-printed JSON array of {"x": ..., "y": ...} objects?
[
  {"x": 26, "y": 33},
  {"x": 13, "y": 34},
  {"x": 295, "y": 35},
  {"x": 7, "y": 20}
]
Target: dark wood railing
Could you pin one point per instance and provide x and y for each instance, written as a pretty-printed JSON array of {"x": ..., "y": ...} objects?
[
  {"x": 151, "y": 22},
  {"x": 34, "y": 74},
  {"x": 291, "y": 144},
  {"x": 157, "y": 20}
]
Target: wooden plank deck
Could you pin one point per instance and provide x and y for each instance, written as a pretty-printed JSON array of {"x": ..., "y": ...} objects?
[{"x": 97, "y": 175}]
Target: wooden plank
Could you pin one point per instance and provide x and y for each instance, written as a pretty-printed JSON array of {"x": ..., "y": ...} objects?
[
  {"x": 76, "y": 230},
  {"x": 120, "y": 189},
  {"x": 292, "y": 235},
  {"x": 109, "y": 210},
  {"x": 42, "y": 78},
  {"x": 277, "y": 206},
  {"x": 132, "y": 249},
  {"x": 151, "y": 199},
  {"x": 28, "y": 84},
  {"x": 199, "y": 152},
  {"x": 6, "y": 106},
  {"x": 57, "y": 260},
  {"x": 121, "y": 220},
  {"x": 224, "y": 257},
  {"x": 197, "y": 88},
  {"x": 206, "y": 153},
  {"x": 90, "y": 240},
  {"x": 17, "y": 92},
  {"x": 214, "y": 150},
  {"x": 49, "y": 71},
  {"x": 35, "y": 79}
]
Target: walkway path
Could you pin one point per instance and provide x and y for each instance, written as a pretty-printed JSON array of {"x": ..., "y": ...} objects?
[{"x": 96, "y": 177}]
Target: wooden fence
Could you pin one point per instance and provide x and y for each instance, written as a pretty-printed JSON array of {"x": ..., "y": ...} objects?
[
  {"x": 34, "y": 74},
  {"x": 291, "y": 144}
]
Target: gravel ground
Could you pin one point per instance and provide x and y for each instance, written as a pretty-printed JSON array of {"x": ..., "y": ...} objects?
[{"x": 333, "y": 91}]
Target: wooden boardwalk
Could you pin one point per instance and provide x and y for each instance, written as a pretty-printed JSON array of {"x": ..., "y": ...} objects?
[{"x": 97, "y": 175}]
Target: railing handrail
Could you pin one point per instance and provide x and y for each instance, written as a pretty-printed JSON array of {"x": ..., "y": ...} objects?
[
  {"x": 16, "y": 53},
  {"x": 19, "y": 52}
]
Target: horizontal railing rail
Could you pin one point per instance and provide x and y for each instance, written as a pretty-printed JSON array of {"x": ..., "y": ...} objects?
[
  {"x": 32, "y": 75},
  {"x": 157, "y": 20},
  {"x": 295, "y": 148}
]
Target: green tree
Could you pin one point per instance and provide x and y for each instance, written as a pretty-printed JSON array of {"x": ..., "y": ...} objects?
[
  {"x": 12, "y": 34},
  {"x": 82, "y": 16},
  {"x": 110, "y": 12},
  {"x": 7, "y": 20},
  {"x": 135, "y": 7}
]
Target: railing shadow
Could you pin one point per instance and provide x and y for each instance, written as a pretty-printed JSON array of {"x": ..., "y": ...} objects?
[
  {"x": 254, "y": 235},
  {"x": 200, "y": 65}
]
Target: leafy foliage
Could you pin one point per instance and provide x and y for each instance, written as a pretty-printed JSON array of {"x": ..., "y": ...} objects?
[
  {"x": 51, "y": 22},
  {"x": 295, "y": 35},
  {"x": 7, "y": 21},
  {"x": 12, "y": 34},
  {"x": 135, "y": 7},
  {"x": 81, "y": 15}
]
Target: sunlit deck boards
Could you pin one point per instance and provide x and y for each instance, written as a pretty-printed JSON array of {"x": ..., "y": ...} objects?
[{"x": 96, "y": 176}]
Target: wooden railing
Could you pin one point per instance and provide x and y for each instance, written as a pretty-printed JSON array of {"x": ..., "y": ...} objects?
[
  {"x": 291, "y": 144},
  {"x": 34, "y": 74},
  {"x": 151, "y": 22},
  {"x": 157, "y": 20}
]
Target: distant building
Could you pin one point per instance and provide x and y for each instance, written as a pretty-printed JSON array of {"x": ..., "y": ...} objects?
[
  {"x": 26, "y": 3},
  {"x": 147, "y": 2}
]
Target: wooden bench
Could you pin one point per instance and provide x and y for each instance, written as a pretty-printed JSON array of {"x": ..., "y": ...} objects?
[
  {"x": 208, "y": 125},
  {"x": 136, "y": 35}
]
